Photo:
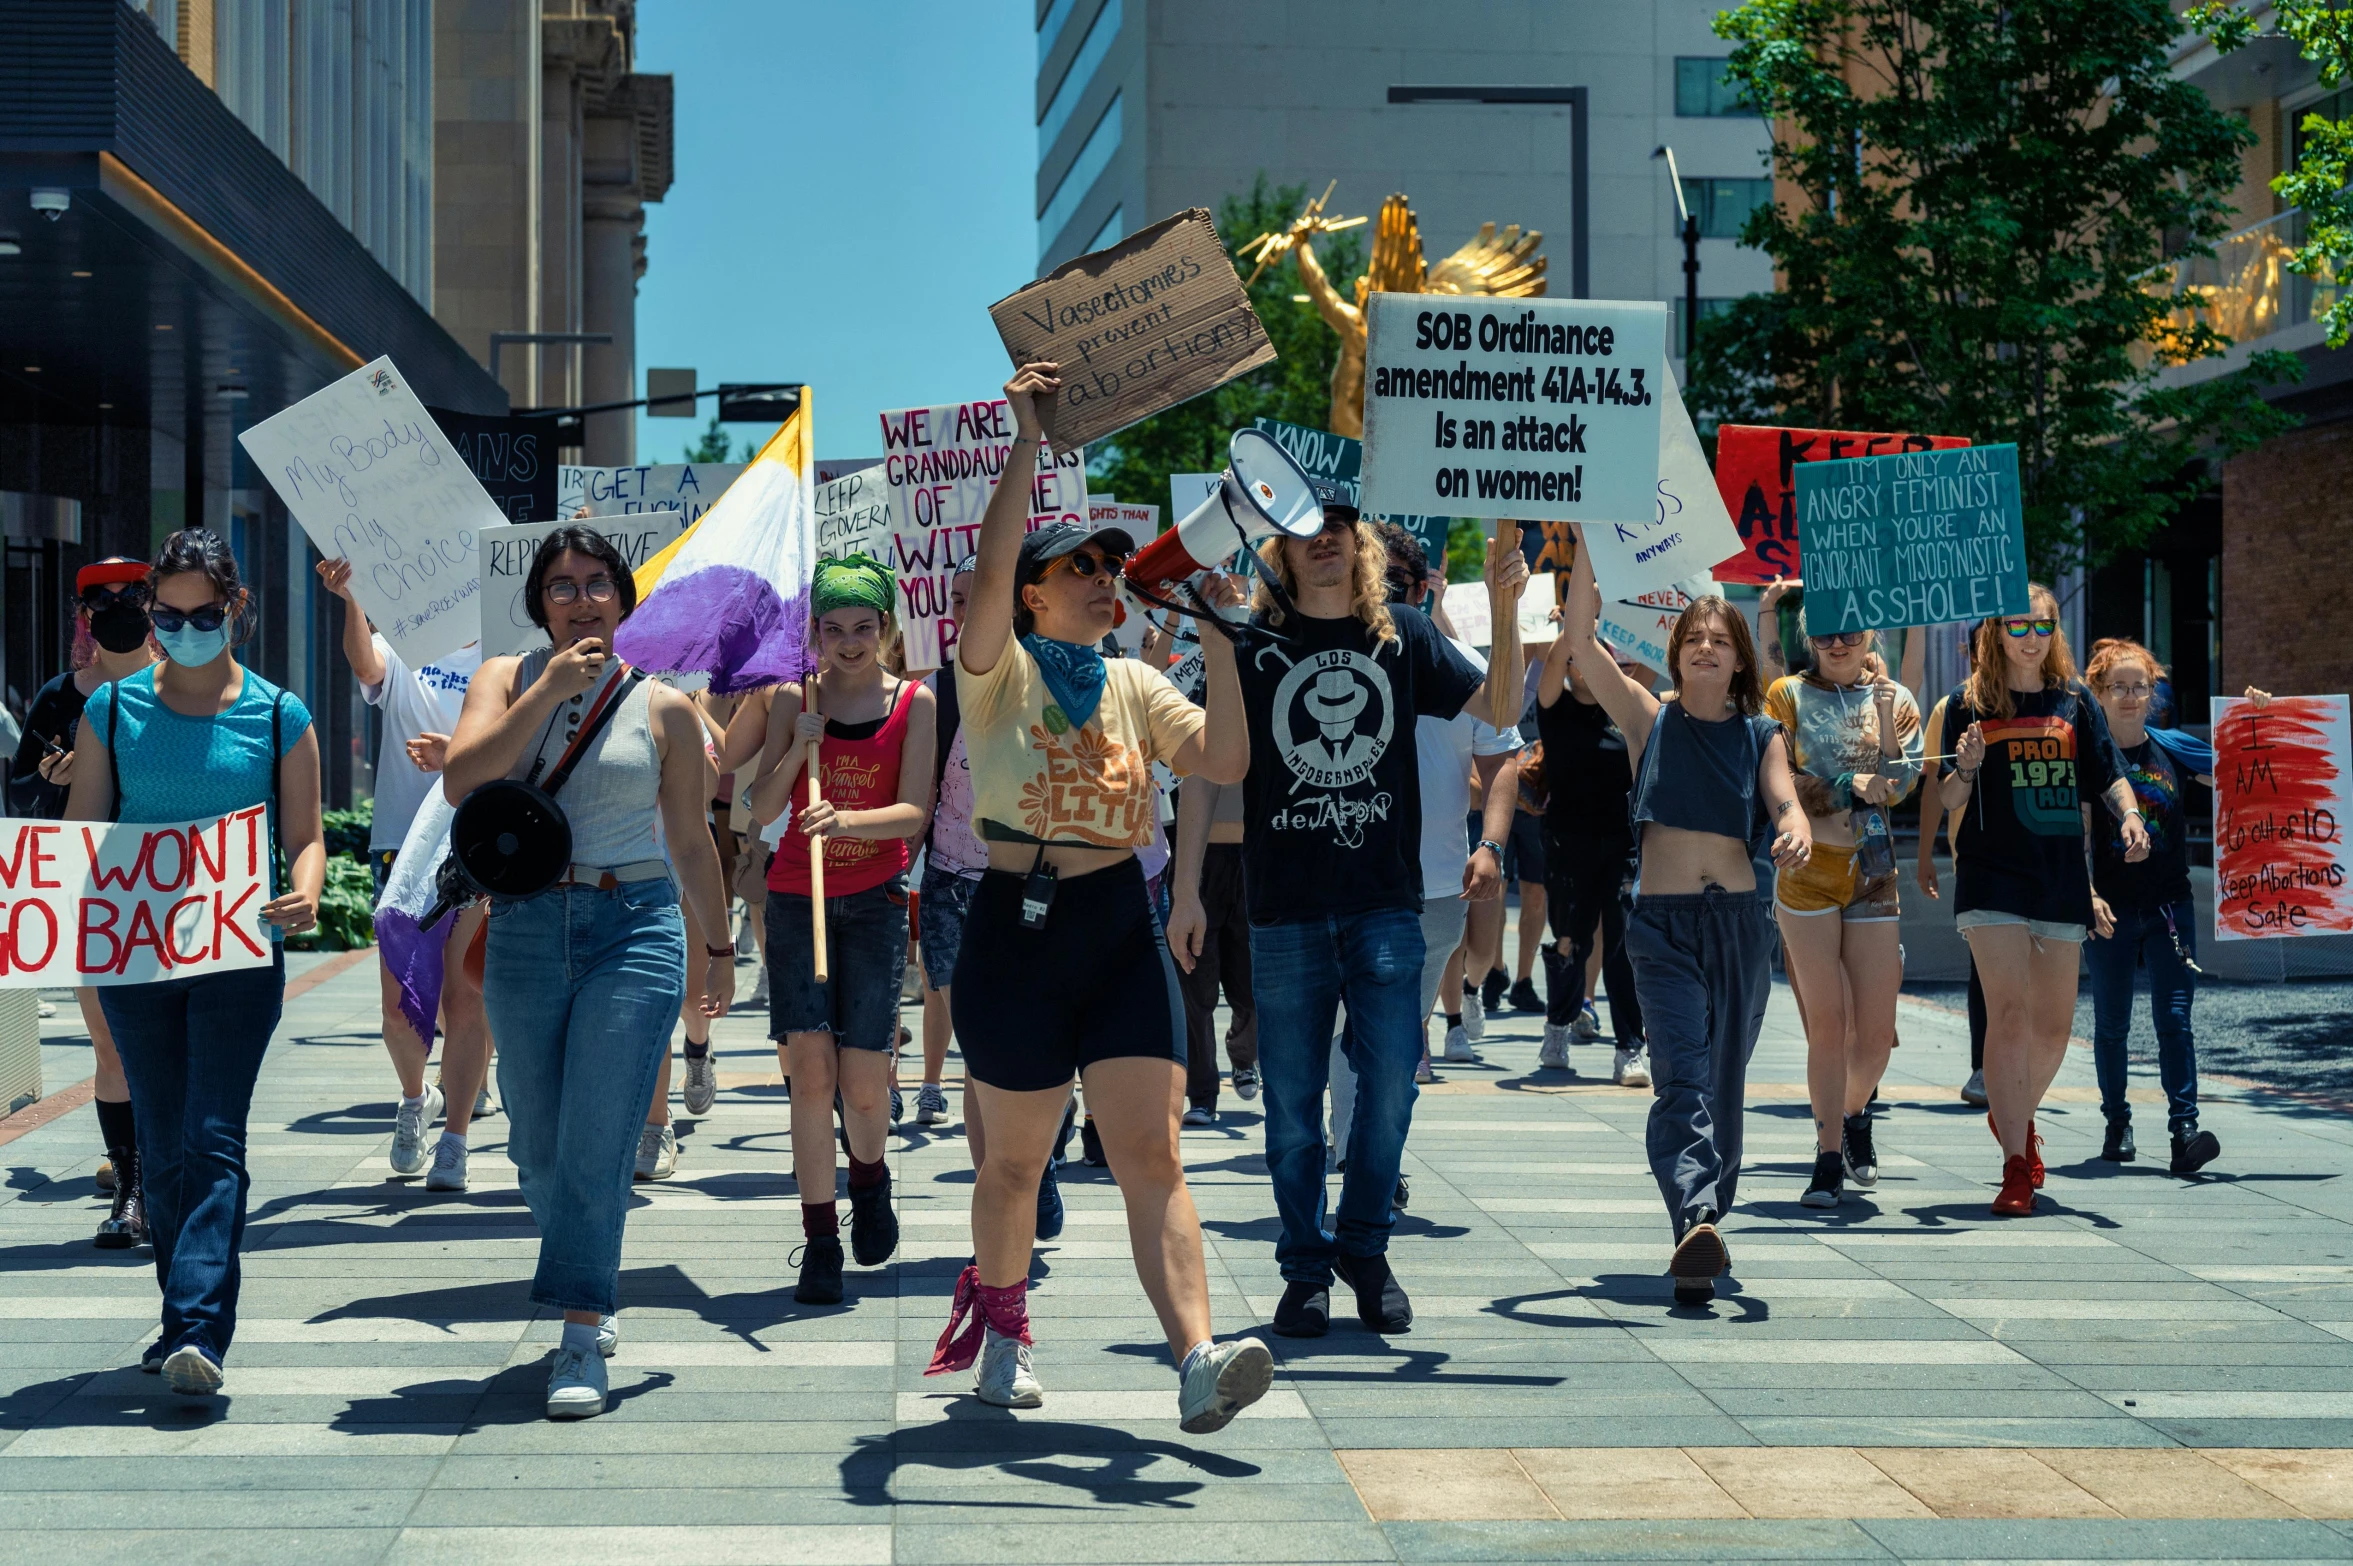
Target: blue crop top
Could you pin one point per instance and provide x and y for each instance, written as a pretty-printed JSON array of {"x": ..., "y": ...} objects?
[{"x": 1714, "y": 768}]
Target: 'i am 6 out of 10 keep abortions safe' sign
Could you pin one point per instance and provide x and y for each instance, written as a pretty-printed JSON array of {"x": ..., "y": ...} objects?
[
  {"x": 1541, "y": 409},
  {"x": 1916, "y": 538}
]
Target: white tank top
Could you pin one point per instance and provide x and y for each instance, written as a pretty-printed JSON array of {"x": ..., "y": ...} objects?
[{"x": 613, "y": 797}]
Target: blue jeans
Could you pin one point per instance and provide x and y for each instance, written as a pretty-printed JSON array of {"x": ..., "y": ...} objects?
[
  {"x": 192, "y": 1049},
  {"x": 583, "y": 987},
  {"x": 1300, "y": 972},
  {"x": 1703, "y": 968},
  {"x": 2142, "y": 940}
]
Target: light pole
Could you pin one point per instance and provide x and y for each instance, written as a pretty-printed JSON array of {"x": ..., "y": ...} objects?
[{"x": 1690, "y": 255}]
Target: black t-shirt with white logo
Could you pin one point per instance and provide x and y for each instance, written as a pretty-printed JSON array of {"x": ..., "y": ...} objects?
[{"x": 1333, "y": 800}]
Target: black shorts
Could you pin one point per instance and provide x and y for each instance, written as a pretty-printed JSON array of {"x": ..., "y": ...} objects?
[
  {"x": 1523, "y": 846},
  {"x": 1035, "y": 1007}
]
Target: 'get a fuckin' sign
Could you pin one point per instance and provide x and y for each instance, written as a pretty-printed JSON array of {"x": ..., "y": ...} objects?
[
  {"x": 93, "y": 902},
  {"x": 2280, "y": 808}
]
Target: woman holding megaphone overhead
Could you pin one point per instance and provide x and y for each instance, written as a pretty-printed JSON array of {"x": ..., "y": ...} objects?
[
  {"x": 1062, "y": 970},
  {"x": 584, "y": 972},
  {"x": 865, "y": 737}
]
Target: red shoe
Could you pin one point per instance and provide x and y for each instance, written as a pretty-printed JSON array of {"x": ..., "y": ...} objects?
[
  {"x": 2034, "y": 1154},
  {"x": 2017, "y": 1195}
]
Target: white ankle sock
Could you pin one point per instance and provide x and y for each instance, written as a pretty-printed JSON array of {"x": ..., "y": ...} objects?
[
  {"x": 459, "y": 1137},
  {"x": 580, "y": 1335},
  {"x": 1195, "y": 1352},
  {"x": 407, "y": 1102}
]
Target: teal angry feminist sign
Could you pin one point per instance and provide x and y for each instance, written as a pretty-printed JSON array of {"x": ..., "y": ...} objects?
[{"x": 1916, "y": 538}]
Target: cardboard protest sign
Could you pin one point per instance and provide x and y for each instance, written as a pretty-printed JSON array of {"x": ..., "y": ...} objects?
[
  {"x": 688, "y": 488},
  {"x": 514, "y": 457},
  {"x": 1141, "y": 523},
  {"x": 940, "y": 467},
  {"x": 1470, "y": 608},
  {"x": 1545, "y": 409},
  {"x": 1918, "y": 538},
  {"x": 1186, "y": 491},
  {"x": 89, "y": 902},
  {"x": 1756, "y": 466},
  {"x": 374, "y": 481},
  {"x": 853, "y": 516},
  {"x": 506, "y": 564},
  {"x": 1155, "y": 320},
  {"x": 1639, "y": 632},
  {"x": 2281, "y": 801},
  {"x": 1689, "y": 531},
  {"x": 829, "y": 469},
  {"x": 1338, "y": 461}
]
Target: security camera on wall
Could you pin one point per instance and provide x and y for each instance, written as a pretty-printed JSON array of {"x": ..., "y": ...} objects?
[{"x": 52, "y": 204}]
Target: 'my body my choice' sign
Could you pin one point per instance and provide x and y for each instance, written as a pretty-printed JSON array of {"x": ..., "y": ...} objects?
[
  {"x": 89, "y": 902},
  {"x": 1918, "y": 538}
]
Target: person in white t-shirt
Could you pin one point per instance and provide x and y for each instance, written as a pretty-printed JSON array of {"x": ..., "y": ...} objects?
[{"x": 421, "y": 708}]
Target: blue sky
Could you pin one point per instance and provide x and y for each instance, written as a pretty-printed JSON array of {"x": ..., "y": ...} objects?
[{"x": 854, "y": 189}]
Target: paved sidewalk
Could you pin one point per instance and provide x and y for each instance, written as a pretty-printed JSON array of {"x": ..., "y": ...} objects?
[{"x": 2153, "y": 1369}]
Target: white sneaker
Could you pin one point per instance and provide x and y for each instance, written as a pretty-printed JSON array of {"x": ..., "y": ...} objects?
[
  {"x": 931, "y": 1105},
  {"x": 1246, "y": 1082},
  {"x": 1973, "y": 1090},
  {"x": 575, "y": 1384},
  {"x": 1629, "y": 1071},
  {"x": 1586, "y": 1029},
  {"x": 759, "y": 995},
  {"x": 1422, "y": 1074},
  {"x": 608, "y": 1336},
  {"x": 449, "y": 1166},
  {"x": 191, "y": 1372},
  {"x": 1458, "y": 1045},
  {"x": 484, "y": 1104},
  {"x": 657, "y": 1153},
  {"x": 1223, "y": 1382},
  {"x": 409, "y": 1125},
  {"x": 1553, "y": 1053},
  {"x": 702, "y": 1083},
  {"x": 1006, "y": 1378},
  {"x": 1474, "y": 1017}
]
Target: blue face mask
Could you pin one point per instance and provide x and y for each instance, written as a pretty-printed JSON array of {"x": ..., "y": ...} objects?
[{"x": 191, "y": 648}]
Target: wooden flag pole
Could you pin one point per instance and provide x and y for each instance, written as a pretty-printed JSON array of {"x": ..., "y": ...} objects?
[
  {"x": 816, "y": 848},
  {"x": 1505, "y": 678}
]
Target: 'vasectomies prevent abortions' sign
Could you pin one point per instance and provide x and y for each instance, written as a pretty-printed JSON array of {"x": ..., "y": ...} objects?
[
  {"x": 93, "y": 902},
  {"x": 373, "y": 480},
  {"x": 1540, "y": 409},
  {"x": 1917, "y": 538}
]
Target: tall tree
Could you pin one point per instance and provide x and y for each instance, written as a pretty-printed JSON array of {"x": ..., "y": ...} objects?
[
  {"x": 713, "y": 445},
  {"x": 1972, "y": 238}
]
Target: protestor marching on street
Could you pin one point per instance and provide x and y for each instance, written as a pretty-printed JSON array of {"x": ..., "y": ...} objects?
[
  {"x": 194, "y": 736},
  {"x": 1588, "y": 862},
  {"x": 421, "y": 709},
  {"x": 1932, "y": 815},
  {"x": 112, "y": 640},
  {"x": 1711, "y": 784},
  {"x": 1062, "y": 971},
  {"x": 1455, "y": 878},
  {"x": 868, "y": 737},
  {"x": 739, "y": 727},
  {"x": 1853, "y": 738},
  {"x": 583, "y": 979},
  {"x": 2143, "y": 916},
  {"x": 1332, "y": 857},
  {"x": 2032, "y": 749}
]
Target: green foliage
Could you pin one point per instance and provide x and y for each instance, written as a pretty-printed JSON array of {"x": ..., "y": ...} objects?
[
  {"x": 347, "y": 830},
  {"x": 1466, "y": 549},
  {"x": 1191, "y": 437},
  {"x": 347, "y": 909},
  {"x": 1971, "y": 240},
  {"x": 713, "y": 446},
  {"x": 2323, "y": 31}
]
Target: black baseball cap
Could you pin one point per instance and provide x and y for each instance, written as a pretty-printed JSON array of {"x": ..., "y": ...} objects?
[
  {"x": 1056, "y": 539},
  {"x": 1337, "y": 499}
]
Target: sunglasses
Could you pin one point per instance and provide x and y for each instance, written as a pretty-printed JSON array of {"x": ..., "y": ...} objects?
[
  {"x": 2021, "y": 629},
  {"x": 208, "y": 618},
  {"x": 563, "y": 590},
  {"x": 1339, "y": 524},
  {"x": 127, "y": 592},
  {"x": 1840, "y": 639},
  {"x": 1087, "y": 567}
]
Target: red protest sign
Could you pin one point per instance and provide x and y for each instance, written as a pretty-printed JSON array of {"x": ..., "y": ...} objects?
[
  {"x": 2280, "y": 807},
  {"x": 1754, "y": 464},
  {"x": 90, "y": 902}
]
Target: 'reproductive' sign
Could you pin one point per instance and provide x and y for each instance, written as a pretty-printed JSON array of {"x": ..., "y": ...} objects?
[{"x": 1540, "y": 409}]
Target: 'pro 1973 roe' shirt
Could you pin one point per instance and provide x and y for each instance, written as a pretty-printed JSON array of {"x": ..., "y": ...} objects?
[
  {"x": 2019, "y": 849},
  {"x": 1333, "y": 797}
]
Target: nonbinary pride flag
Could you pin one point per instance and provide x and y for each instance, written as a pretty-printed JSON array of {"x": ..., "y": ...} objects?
[{"x": 731, "y": 598}]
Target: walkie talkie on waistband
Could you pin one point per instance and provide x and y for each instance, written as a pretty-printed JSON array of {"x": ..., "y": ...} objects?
[{"x": 1037, "y": 893}]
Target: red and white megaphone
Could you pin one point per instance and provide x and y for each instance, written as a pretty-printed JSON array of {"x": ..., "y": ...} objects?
[{"x": 1262, "y": 494}]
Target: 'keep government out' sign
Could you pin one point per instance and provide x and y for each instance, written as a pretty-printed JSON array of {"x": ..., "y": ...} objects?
[{"x": 1917, "y": 538}]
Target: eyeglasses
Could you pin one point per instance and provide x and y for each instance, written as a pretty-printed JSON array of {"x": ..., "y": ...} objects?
[
  {"x": 2132, "y": 692},
  {"x": 1088, "y": 566},
  {"x": 564, "y": 590},
  {"x": 2021, "y": 629},
  {"x": 208, "y": 618},
  {"x": 102, "y": 597},
  {"x": 1840, "y": 639}
]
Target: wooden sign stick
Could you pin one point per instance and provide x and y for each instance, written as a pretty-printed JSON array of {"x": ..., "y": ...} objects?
[
  {"x": 816, "y": 849},
  {"x": 1505, "y": 678}
]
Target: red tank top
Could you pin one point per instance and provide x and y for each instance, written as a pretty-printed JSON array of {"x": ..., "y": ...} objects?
[{"x": 852, "y": 774}]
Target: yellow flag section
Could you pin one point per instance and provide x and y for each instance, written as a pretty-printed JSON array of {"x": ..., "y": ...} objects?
[{"x": 730, "y": 599}]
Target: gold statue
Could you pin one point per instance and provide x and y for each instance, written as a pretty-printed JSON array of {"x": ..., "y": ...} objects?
[{"x": 1502, "y": 265}]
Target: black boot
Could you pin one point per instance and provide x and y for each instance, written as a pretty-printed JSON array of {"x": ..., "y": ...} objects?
[
  {"x": 1380, "y": 1299},
  {"x": 126, "y": 1225},
  {"x": 821, "y": 1271},
  {"x": 2194, "y": 1150},
  {"x": 874, "y": 1228},
  {"x": 2117, "y": 1148}
]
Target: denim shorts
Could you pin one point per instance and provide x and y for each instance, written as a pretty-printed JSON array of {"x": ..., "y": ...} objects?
[
  {"x": 2040, "y": 929},
  {"x": 939, "y": 922},
  {"x": 866, "y": 957}
]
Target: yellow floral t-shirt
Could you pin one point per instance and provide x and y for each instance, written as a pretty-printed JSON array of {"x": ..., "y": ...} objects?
[{"x": 1036, "y": 776}]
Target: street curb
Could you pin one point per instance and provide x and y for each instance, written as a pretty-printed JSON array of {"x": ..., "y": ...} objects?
[{"x": 65, "y": 1101}]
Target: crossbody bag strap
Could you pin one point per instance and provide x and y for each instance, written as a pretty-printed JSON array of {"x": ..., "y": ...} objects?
[
  {"x": 114, "y": 766},
  {"x": 598, "y": 716}
]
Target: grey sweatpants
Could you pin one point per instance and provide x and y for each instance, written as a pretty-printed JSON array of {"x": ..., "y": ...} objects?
[{"x": 1703, "y": 969}]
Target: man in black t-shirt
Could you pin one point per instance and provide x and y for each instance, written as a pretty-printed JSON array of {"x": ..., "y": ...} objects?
[{"x": 1332, "y": 867}]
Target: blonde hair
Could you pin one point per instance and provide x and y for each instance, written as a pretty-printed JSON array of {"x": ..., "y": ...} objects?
[
  {"x": 1874, "y": 661},
  {"x": 1988, "y": 686},
  {"x": 1748, "y": 691},
  {"x": 1368, "y": 583}
]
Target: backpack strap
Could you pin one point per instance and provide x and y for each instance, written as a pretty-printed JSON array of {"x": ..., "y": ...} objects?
[{"x": 114, "y": 766}]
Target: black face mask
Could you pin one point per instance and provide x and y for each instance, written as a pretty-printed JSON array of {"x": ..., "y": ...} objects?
[{"x": 120, "y": 624}]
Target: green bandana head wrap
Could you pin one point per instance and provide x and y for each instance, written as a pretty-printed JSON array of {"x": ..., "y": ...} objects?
[{"x": 852, "y": 582}]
